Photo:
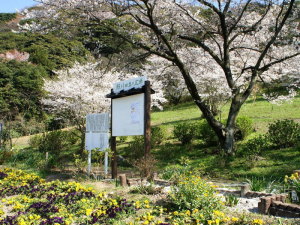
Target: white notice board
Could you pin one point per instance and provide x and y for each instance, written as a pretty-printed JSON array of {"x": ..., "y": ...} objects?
[
  {"x": 99, "y": 141},
  {"x": 97, "y": 122},
  {"x": 128, "y": 115}
]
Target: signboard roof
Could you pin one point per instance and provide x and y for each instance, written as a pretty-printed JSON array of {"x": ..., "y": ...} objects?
[{"x": 126, "y": 85}]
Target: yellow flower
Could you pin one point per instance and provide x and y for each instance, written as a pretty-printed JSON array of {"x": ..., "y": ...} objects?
[
  {"x": 188, "y": 212},
  {"x": 195, "y": 210},
  {"x": 88, "y": 212},
  {"x": 175, "y": 213},
  {"x": 234, "y": 219},
  {"x": 257, "y": 222}
]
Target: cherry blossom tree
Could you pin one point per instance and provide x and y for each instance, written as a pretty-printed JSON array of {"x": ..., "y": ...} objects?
[
  {"x": 77, "y": 92},
  {"x": 82, "y": 90},
  {"x": 238, "y": 42}
]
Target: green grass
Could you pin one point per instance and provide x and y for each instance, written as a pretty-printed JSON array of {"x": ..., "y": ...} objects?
[
  {"x": 275, "y": 163},
  {"x": 261, "y": 111}
]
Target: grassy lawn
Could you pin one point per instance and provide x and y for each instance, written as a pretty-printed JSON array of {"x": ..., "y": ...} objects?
[
  {"x": 272, "y": 163},
  {"x": 261, "y": 111}
]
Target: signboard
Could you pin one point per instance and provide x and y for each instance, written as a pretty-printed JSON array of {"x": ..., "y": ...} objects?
[
  {"x": 126, "y": 85},
  {"x": 97, "y": 129},
  {"x": 98, "y": 141},
  {"x": 97, "y": 122},
  {"x": 128, "y": 115}
]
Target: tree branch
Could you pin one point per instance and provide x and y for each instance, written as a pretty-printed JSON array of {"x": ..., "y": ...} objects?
[{"x": 266, "y": 67}]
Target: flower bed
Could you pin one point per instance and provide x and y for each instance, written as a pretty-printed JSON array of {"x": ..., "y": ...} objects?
[
  {"x": 27, "y": 199},
  {"x": 31, "y": 200}
]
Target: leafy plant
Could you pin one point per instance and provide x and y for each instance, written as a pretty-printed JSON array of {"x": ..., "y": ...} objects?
[
  {"x": 231, "y": 200},
  {"x": 145, "y": 165},
  {"x": 158, "y": 135},
  {"x": 254, "y": 147},
  {"x": 284, "y": 133},
  {"x": 260, "y": 183},
  {"x": 135, "y": 148},
  {"x": 123, "y": 139},
  {"x": 172, "y": 172},
  {"x": 206, "y": 133},
  {"x": 192, "y": 192},
  {"x": 184, "y": 132},
  {"x": 79, "y": 163},
  {"x": 244, "y": 126},
  {"x": 7, "y": 17}
]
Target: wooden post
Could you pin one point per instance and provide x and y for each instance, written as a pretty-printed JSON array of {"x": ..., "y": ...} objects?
[
  {"x": 113, "y": 145},
  {"x": 123, "y": 180},
  {"x": 244, "y": 189},
  {"x": 114, "y": 171},
  {"x": 147, "y": 127}
]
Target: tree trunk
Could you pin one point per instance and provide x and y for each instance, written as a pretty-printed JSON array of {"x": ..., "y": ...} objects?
[{"x": 227, "y": 142}]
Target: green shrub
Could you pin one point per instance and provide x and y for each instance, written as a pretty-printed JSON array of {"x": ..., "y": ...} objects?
[
  {"x": 284, "y": 133},
  {"x": 206, "y": 133},
  {"x": 254, "y": 147},
  {"x": 192, "y": 192},
  {"x": 123, "y": 139},
  {"x": 244, "y": 127},
  {"x": 4, "y": 17},
  {"x": 172, "y": 172},
  {"x": 53, "y": 142},
  {"x": 158, "y": 135},
  {"x": 29, "y": 157},
  {"x": 184, "y": 132},
  {"x": 145, "y": 166},
  {"x": 5, "y": 155},
  {"x": 135, "y": 149}
]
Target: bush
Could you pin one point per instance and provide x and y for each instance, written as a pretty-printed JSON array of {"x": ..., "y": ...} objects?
[
  {"x": 184, "y": 132},
  {"x": 145, "y": 165},
  {"x": 192, "y": 192},
  {"x": 158, "y": 135},
  {"x": 123, "y": 139},
  {"x": 284, "y": 133},
  {"x": 254, "y": 147},
  {"x": 244, "y": 127},
  {"x": 53, "y": 142},
  {"x": 135, "y": 149},
  {"x": 173, "y": 172},
  {"x": 206, "y": 133}
]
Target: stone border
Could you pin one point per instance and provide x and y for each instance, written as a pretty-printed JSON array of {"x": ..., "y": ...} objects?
[{"x": 276, "y": 205}]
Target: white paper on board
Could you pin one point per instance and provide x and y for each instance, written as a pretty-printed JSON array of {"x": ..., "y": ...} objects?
[
  {"x": 135, "y": 112},
  {"x": 128, "y": 115}
]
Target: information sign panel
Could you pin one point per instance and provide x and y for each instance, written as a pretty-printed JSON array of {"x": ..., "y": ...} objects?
[
  {"x": 128, "y": 115},
  {"x": 97, "y": 122},
  {"x": 99, "y": 141}
]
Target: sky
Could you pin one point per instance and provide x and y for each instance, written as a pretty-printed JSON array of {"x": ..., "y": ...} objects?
[{"x": 10, "y": 6}]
